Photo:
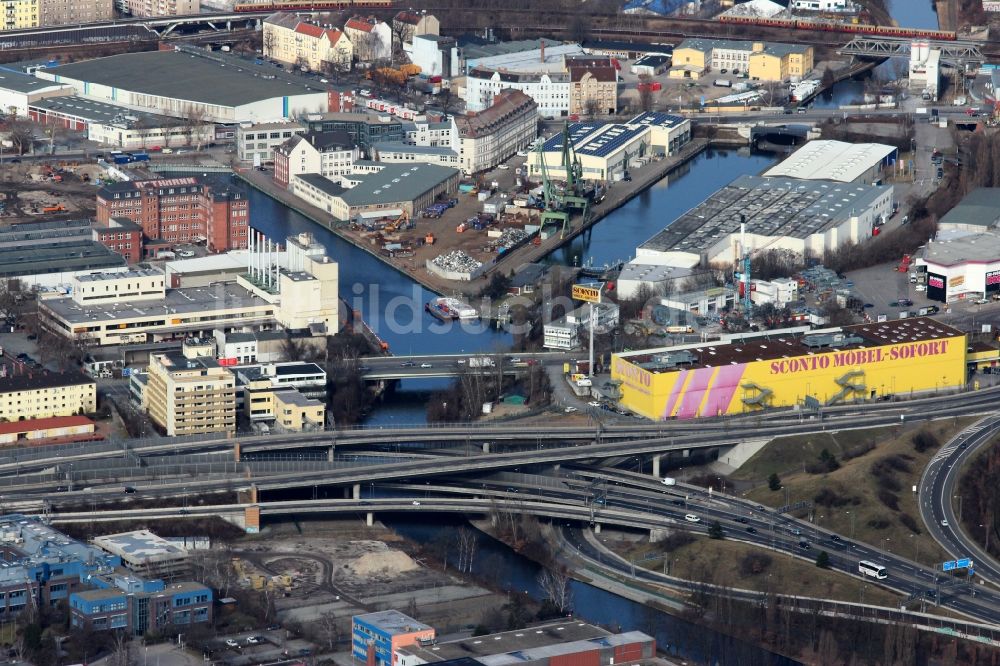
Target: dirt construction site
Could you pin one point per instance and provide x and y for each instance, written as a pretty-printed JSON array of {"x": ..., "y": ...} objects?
[
  {"x": 47, "y": 190},
  {"x": 345, "y": 569}
]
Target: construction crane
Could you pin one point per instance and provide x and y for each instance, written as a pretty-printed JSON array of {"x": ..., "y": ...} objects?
[{"x": 742, "y": 272}]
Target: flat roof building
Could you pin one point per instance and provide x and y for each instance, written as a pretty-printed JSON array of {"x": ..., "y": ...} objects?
[
  {"x": 805, "y": 217},
  {"x": 146, "y": 554},
  {"x": 375, "y": 637},
  {"x": 53, "y": 262},
  {"x": 563, "y": 642},
  {"x": 606, "y": 149},
  {"x": 190, "y": 396},
  {"x": 839, "y": 161},
  {"x": 961, "y": 264},
  {"x": 407, "y": 187},
  {"x": 174, "y": 82},
  {"x": 754, "y": 371},
  {"x": 19, "y": 90},
  {"x": 979, "y": 210}
]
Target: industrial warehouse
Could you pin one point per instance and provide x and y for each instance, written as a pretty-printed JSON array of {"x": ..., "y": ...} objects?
[{"x": 752, "y": 372}]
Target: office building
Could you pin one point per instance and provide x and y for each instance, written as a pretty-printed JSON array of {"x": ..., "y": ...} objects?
[
  {"x": 256, "y": 142},
  {"x": 387, "y": 187},
  {"x": 122, "y": 236},
  {"x": 136, "y": 606},
  {"x": 293, "y": 41},
  {"x": 64, "y": 12},
  {"x": 42, "y": 566},
  {"x": 40, "y": 394},
  {"x": 807, "y": 218},
  {"x": 566, "y": 333},
  {"x": 190, "y": 395},
  {"x": 550, "y": 90},
  {"x": 290, "y": 396},
  {"x": 191, "y": 83},
  {"x": 299, "y": 295},
  {"x": 375, "y": 637},
  {"x": 364, "y": 129},
  {"x": 329, "y": 154},
  {"x": 487, "y": 138},
  {"x": 188, "y": 209},
  {"x": 401, "y": 153},
  {"x": 763, "y": 61},
  {"x": 606, "y": 150}
]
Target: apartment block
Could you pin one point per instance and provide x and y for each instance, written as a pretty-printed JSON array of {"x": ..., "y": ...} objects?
[
  {"x": 18, "y": 14},
  {"x": 408, "y": 24},
  {"x": 593, "y": 90},
  {"x": 26, "y": 394},
  {"x": 62, "y": 12},
  {"x": 190, "y": 395},
  {"x": 372, "y": 39},
  {"x": 487, "y": 138},
  {"x": 319, "y": 47},
  {"x": 162, "y": 7},
  {"x": 180, "y": 210}
]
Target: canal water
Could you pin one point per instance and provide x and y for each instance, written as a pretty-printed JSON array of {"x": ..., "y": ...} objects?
[{"x": 502, "y": 568}]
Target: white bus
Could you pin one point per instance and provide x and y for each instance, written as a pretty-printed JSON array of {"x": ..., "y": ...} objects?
[{"x": 866, "y": 568}]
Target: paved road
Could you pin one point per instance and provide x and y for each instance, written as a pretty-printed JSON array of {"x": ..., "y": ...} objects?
[{"x": 939, "y": 485}]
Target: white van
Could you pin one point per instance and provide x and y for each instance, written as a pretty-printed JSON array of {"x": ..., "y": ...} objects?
[{"x": 669, "y": 481}]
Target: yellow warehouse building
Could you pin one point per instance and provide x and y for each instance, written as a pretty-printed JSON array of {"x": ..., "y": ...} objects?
[{"x": 771, "y": 369}]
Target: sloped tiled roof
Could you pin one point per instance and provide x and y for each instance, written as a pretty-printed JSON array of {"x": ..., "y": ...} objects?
[{"x": 358, "y": 23}]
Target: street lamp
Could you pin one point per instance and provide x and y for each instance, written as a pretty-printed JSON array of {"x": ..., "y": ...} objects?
[
  {"x": 885, "y": 549},
  {"x": 852, "y": 523}
]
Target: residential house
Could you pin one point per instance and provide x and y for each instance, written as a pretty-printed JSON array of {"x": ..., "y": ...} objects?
[
  {"x": 320, "y": 48},
  {"x": 372, "y": 39}
]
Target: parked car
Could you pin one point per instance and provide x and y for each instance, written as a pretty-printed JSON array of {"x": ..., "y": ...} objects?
[{"x": 691, "y": 518}]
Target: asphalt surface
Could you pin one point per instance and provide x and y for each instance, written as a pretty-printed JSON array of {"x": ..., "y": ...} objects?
[{"x": 938, "y": 487}]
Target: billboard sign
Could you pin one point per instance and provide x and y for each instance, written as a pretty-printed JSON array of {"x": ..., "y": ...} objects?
[
  {"x": 993, "y": 281},
  {"x": 965, "y": 563},
  {"x": 948, "y": 566},
  {"x": 936, "y": 287},
  {"x": 589, "y": 293}
]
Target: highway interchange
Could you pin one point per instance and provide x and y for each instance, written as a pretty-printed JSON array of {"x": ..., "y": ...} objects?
[{"x": 467, "y": 469}]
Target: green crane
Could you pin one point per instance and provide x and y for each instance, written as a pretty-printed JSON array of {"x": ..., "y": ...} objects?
[{"x": 559, "y": 202}]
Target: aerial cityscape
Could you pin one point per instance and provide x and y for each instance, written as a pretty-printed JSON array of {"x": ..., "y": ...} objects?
[{"x": 562, "y": 333}]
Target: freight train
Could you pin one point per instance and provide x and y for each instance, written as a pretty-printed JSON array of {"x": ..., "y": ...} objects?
[
  {"x": 310, "y": 5},
  {"x": 859, "y": 28}
]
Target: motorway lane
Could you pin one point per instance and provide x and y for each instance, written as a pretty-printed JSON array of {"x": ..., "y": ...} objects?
[
  {"x": 938, "y": 486},
  {"x": 777, "y": 532}
]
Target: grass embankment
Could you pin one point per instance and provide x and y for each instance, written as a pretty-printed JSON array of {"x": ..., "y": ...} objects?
[
  {"x": 740, "y": 565},
  {"x": 865, "y": 489}
]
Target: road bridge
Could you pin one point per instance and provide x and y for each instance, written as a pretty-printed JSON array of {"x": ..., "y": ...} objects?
[{"x": 451, "y": 365}]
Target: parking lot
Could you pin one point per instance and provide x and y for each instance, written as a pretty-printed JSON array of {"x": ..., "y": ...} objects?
[{"x": 257, "y": 647}]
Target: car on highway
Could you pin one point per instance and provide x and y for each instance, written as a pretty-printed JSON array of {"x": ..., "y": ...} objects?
[
  {"x": 129, "y": 490},
  {"x": 752, "y": 530},
  {"x": 804, "y": 545},
  {"x": 691, "y": 518},
  {"x": 836, "y": 537},
  {"x": 677, "y": 502},
  {"x": 415, "y": 503},
  {"x": 516, "y": 359},
  {"x": 365, "y": 368},
  {"x": 407, "y": 364},
  {"x": 741, "y": 519},
  {"x": 426, "y": 365},
  {"x": 944, "y": 523}
]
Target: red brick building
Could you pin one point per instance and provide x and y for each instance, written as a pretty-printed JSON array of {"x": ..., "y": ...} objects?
[
  {"x": 120, "y": 235},
  {"x": 180, "y": 210}
]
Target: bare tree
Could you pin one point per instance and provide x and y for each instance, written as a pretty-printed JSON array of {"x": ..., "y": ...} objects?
[
  {"x": 329, "y": 631},
  {"x": 555, "y": 585},
  {"x": 467, "y": 544},
  {"x": 269, "y": 41},
  {"x": 195, "y": 120},
  {"x": 591, "y": 107},
  {"x": 21, "y": 133},
  {"x": 120, "y": 649}
]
